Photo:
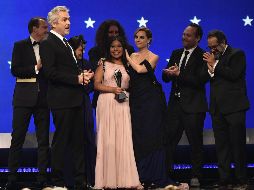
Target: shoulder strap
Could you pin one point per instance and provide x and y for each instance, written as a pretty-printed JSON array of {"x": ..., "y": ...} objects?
[
  {"x": 150, "y": 71},
  {"x": 103, "y": 66}
]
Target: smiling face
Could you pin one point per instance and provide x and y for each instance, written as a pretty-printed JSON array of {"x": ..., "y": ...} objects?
[
  {"x": 189, "y": 38},
  {"x": 215, "y": 47},
  {"x": 141, "y": 40},
  {"x": 116, "y": 50},
  {"x": 62, "y": 26},
  {"x": 40, "y": 32}
]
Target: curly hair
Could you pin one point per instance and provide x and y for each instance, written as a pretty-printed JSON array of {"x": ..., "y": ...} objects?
[{"x": 101, "y": 38}]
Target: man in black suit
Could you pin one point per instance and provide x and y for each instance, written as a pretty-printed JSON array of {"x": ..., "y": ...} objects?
[
  {"x": 187, "y": 103},
  {"x": 226, "y": 67},
  {"x": 29, "y": 99},
  {"x": 65, "y": 97}
]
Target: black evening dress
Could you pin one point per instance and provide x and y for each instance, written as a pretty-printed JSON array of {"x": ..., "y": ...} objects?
[{"x": 148, "y": 105}]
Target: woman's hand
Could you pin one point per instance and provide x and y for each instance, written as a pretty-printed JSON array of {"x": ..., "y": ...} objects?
[
  {"x": 127, "y": 56},
  {"x": 101, "y": 61},
  {"x": 117, "y": 90}
]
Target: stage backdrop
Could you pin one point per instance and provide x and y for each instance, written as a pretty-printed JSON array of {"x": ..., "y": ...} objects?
[{"x": 166, "y": 19}]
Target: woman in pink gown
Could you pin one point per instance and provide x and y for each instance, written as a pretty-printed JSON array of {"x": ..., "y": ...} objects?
[{"x": 115, "y": 162}]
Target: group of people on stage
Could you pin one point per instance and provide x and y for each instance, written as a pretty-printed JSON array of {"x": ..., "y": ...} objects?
[{"x": 137, "y": 132}]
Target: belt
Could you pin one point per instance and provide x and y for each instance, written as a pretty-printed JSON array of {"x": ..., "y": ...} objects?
[{"x": 26, "y": 79}]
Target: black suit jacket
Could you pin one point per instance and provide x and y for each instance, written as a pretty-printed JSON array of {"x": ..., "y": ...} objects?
[
  {"x": 62, "y": 71},
  {"x": 228, "y": 86},
  {"x": 23, "y": 66},
  {"x": 191, "y": 82}
]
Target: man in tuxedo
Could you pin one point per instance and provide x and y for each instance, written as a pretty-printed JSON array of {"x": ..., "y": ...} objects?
[
  {"x": 29, "y": 99},
  {"x": 226, "y": 68},
  {"x": 65, "y": 98},
  {"x": 187, "y": 103}
]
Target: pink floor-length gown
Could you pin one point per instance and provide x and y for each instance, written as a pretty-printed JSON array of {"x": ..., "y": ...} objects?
[{"x": 115, "y": 162}]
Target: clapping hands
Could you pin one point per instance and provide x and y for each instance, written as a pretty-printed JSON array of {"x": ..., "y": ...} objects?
[
  {"x": 172, "y": 70},
  {"x": 85, "y": 77}
]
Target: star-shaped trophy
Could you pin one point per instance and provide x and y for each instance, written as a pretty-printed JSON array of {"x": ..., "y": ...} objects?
[{"x": 118, "y": 78}]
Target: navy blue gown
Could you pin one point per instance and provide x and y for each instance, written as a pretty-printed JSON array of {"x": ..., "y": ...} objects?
[{"x": 148, "y": 105}]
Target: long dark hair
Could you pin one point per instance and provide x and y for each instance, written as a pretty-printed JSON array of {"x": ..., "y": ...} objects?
[
  {"x": 102, "y": 38},
  {"x": 123, "y": 43}
]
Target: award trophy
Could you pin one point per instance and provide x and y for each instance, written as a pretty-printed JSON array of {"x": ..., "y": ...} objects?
[{"x": 118, "y": 78}]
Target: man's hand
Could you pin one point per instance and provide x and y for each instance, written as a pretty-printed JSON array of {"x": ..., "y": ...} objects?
[
  {"x": 209, "y": 58},
  {"x": 84, "y": 78},
  {"x": 89, "y": 73},
  {"x": 38, "y": 65},
  {"x": 172, "y": 70}
]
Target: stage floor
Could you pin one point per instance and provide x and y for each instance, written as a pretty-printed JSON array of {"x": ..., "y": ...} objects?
[{"x": 182, "y": 172}]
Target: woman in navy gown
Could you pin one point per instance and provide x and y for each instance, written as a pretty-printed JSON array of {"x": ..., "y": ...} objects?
[{"x": 147, "y": 104}]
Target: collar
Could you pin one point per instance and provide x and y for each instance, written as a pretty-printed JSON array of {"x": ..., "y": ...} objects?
[
  {"x": 58, "y": 35},
  {"x": 190, "y": 50},
  {"x": 32, "y": 40},
  {"x": 225, "y": 49}
]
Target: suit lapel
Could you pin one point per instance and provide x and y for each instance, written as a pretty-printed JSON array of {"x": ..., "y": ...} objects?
[
  {"x": 192, "y": 58},
  {"x": 60, "y": 44},
  {"x": 31, "y": 50},
  {"x": 225, "y": 55},
  {"x": 178, "y": 57}
]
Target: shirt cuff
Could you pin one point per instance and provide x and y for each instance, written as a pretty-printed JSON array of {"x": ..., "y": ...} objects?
[
  {"x": 36, "y": 70},
  {"x": 210, "y": 73}
]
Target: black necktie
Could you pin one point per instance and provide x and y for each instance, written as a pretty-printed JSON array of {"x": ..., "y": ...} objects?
[
  {"x": 67, "y": 45},
  {"x": 35, "y": 43},
  {"x": 184, "y": 60}
]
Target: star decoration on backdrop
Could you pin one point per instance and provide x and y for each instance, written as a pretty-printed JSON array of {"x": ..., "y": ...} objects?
[
  {"x": 142, "y": 22},
  {"x": 195, "y": 20},
  {"x": 247, "y": 21},
  {"x": 89, "y": 22},
  {"x": 167, "y": 60},
  {"x": 9, "y": 63}
]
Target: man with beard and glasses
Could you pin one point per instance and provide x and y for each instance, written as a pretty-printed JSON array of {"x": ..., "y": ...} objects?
[{"x": 226, "y": 68}]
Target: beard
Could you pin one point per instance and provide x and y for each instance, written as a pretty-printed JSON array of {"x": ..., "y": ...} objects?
[{"x": 217, "y": 55}]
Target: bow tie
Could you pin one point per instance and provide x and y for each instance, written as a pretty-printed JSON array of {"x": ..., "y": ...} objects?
[{"x": 35, "y": 43}]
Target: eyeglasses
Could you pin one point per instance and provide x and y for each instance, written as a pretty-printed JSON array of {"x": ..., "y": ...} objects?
[{"x": 213, "y": 47}]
